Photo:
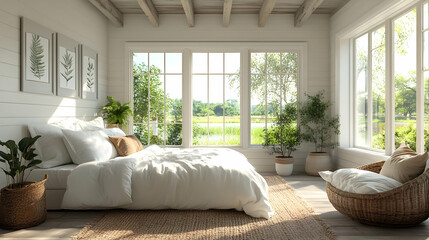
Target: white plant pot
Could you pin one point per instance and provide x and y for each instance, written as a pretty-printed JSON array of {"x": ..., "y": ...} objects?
[
  {"x": 317, "y": 162},
  {"x": 284, "y": 166}
]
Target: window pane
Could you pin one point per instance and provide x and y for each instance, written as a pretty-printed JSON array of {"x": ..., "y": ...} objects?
[
  {"x": 216, "y": 110},
  {"x": 173, "y": 96},
  {"x": 232, "y": 110},
  {"x": 257, "y": 108},
  {"x": 361, "y": 69},
  {"x": 200, "y": 109},
  {"x": 257, "y": 63},
  {"x": 405, "y": 79},
  {"x": 140, "y": 61},
  {"x": 378, "y": 98},
  {"x": 156, "y": 132},
  {"x": 273, "y": 63},
  {"x": 274, "y": 92},
  {"x": 232, "y": 63},
  {"x": 156, "y": 101},
  {"x": 156, "y": 61},
  {"x": 173, "y": 62},
  {"x": 174, "y": 134},
  {"x": 199, "y": 62},
  {"x": 290, "y": 92},
  {"x": 215, "y": 62},
  {"x": 289, "y": 62},
  {"x": 140, "y": 130},
  {"x": 141, "y": 98},
  {"x": 378, "y": 37}
]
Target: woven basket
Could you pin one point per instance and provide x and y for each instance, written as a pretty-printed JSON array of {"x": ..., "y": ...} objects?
[
  {"x": 23, "y": 207},
  {"x": 404, "y": 206}
]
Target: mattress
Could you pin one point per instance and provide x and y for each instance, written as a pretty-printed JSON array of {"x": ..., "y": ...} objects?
[{"x": 57, "y": 176}]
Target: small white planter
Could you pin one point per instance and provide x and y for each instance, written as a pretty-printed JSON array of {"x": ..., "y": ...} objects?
[
  {"x": 317, "y": 162},
  {"x": 284, "y": 165}
]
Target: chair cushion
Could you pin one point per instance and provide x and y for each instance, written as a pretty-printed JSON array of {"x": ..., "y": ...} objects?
[
  {"x": 404, "y": 164},
  {"x": 358, "y": 181}
]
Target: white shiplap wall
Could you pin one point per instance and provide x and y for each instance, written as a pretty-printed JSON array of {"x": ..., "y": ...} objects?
[
  {"x": 77, "y": 19},
  {"x": 209, "y": 27}
]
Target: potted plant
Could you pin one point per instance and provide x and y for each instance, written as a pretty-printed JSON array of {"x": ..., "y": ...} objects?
[
  {"x": 115, "y": 113},
  {"x": 318, "y": 128},
  {"x": 283, "y": 138},
  {"x": 22, "y": 204}
]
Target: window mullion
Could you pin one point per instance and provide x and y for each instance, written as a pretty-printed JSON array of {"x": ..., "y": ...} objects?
[
  {"x": 186, "y": 99},
  {"x": 369, "y": 81},
  {"x": 390, "y": 85},
  {"x": 419, "y": 83}
]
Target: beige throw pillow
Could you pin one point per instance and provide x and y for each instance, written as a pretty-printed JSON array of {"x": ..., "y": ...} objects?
[
  {"x": 126, "y": 145},
  {"x": 404, "y": 164}
]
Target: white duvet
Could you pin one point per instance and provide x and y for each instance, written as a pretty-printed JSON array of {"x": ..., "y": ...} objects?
[{"x": 157, "y": 178}]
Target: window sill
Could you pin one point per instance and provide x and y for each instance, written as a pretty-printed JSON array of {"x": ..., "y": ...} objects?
[{"x": 355, "y": 157}]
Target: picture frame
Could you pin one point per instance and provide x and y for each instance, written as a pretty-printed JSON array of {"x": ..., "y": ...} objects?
[
  {"x": 37, "y": 54},
  {"x": 88, "y": 73},
  {"x": 67, "y": 66}
]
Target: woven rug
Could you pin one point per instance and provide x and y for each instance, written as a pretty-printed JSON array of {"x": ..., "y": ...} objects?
[{"x": 293, "y": 219}]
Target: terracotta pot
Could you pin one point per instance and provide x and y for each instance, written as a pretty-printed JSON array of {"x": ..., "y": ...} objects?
[
  {"x": 284, "y": 165},
  {"x": 23, "y": 207},
  {"x": 316, "y": 162}
]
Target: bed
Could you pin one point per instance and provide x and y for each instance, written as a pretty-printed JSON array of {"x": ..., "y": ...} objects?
[{"x": 154, "y": 178}]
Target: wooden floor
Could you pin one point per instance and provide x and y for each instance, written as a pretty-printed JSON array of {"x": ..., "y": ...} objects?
[{"x": 65, "y": 224}]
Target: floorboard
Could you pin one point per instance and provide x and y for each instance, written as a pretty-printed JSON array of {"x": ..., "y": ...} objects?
[{"x": 65, "y": 224}]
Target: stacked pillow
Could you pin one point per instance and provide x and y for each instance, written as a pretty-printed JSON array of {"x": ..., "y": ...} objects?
[
  {"x": 73, "y": 140},
  {"x": 403, "y": 166}
]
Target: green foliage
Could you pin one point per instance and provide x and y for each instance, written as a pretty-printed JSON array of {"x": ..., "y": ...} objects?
[
  {"x": 18, "y": 162},
  {"x": 115, "y": 112},
  {"x": 37, "y": 66},
  {"x": 402, "y": 134},
  {"x": 67, "y": 63},
  {"x": 405, "y": 95},
  {"x": 284, "y": 136},
  {"x": 90, "y": 74},
  {"x": 318, "y": 126}
]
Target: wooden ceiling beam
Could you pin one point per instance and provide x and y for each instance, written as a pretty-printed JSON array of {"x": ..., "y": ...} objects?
[
  {"x": 305, "y": 10},
  {"x": 110, "y": 11},
  {"x": 150, "y": 11},
  {"x": 189, "y": 12},
  {"x": 227, "y": 7},
  {"x": 265, "y": 11}
]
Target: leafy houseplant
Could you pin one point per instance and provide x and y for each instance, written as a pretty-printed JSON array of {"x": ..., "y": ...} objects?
[
  {"x": 283, "y": 138},
  {"x": 16, "y": 161},
  {"x": 22, "y": 204},
  {"x": 318, "y": 128},
  {"x": 116, "y": 113}
]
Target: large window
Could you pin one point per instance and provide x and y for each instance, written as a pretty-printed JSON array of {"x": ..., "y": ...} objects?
[
  {"x": 387, "y": 111},
  {"x": 204, "y": 95},
  {"x": 157, "y": 89},
  {"x": 273, "y": 84},
  {"x": 216, "y": 98}
]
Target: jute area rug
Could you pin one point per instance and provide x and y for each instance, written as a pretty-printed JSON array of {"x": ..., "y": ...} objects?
[{"x": 293, "y": 219}]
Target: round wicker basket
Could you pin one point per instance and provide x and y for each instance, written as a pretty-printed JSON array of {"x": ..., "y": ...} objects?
[
  {"x": 23, "y": 207},
  {"x": 404, "y": 206}
]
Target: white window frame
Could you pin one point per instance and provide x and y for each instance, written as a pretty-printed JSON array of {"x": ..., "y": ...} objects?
[
  {"x": 389, "y": 78},
  {"x": 187, "y": 48}
]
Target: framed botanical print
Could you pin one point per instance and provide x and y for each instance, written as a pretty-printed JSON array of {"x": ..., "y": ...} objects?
[
  {"x": 67, "y": 74},
  {"x": 37, "y": 53},
  {"x": 89, "y": 73}
]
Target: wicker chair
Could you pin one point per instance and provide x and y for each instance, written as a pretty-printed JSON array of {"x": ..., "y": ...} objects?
[{"x": 404, "y": 206}]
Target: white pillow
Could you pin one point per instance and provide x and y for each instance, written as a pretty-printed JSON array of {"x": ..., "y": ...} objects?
[
  {"x": 111, "y": 132},
  {"x": 97, "y": 122},
  {"x": 50, "y": 147},
  {"x": 88, "y": 146},
  {"x": 359, "y": 181}
]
